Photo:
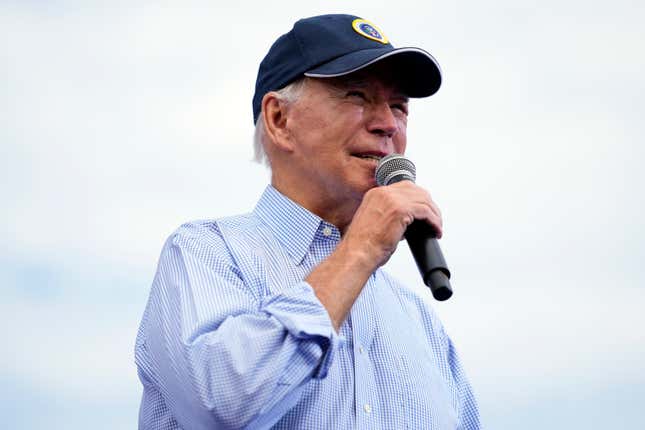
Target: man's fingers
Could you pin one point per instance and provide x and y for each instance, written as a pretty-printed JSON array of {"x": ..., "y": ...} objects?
[{"x": 425, "y": 213}]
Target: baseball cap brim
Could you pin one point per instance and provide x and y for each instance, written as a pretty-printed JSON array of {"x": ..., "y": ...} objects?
[{"x": 416, "y": 70}]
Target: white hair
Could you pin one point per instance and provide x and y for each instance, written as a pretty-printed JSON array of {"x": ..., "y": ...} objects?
[{"x": 287, "y": 94}]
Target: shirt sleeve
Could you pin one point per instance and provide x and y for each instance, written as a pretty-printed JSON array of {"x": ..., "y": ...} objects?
[
  {"x": 468, "y": 411},
  {"x": 466, "y": 403},
  {"x": 220, "y": 356}
]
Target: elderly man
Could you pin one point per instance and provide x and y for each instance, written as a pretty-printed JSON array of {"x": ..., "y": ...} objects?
[{"x": 282, "y": 318}]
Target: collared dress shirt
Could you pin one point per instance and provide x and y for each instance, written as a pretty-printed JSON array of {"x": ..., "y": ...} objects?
[{"x": 233, "y": 337}]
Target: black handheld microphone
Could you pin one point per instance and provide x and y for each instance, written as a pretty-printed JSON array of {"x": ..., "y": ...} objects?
[{"x": 420, "y": 235}]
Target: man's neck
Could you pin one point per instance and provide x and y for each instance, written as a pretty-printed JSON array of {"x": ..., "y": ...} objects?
[{"x": 318, "y": 202}]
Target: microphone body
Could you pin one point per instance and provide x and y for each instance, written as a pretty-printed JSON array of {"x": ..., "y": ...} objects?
[{"x": 420, "y": 236}]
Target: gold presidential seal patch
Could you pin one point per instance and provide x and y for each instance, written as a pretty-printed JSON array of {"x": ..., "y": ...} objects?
[{"x": 369, "y": 30}]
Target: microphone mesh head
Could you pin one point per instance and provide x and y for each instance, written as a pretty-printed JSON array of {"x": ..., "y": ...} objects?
[{"x": 394, "y": 168}]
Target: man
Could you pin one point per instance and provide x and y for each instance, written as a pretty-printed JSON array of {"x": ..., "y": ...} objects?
[{"x": 282, "y": 317}]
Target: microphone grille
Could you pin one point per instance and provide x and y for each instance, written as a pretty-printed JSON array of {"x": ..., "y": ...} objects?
[{"x": 394, "y": 168}]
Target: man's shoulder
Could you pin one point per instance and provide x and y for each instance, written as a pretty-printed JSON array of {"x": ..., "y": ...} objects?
[
  {"x": 213, "y": 229},
  {"x": 210, "y": 237},
  {"x": 232, "y": 246}
]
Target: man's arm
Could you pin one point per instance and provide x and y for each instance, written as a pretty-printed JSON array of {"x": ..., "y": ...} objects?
[
  {"x": 220, "y": 357},
  {"x": 370, "y": 240},
  {"x": 468, "y": 410}
]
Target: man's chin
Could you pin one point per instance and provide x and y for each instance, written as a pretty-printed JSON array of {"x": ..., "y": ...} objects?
[{"x": 365, "y": 186}]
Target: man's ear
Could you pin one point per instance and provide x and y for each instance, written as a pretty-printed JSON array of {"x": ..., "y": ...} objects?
[{"x": 274, "y": 115}]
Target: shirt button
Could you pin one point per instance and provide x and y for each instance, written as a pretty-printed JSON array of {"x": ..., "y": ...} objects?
[
  {"x": 367, "y": 408},
  {"x": 327, "y": 231},
  {"x": 360, "y": 349}
]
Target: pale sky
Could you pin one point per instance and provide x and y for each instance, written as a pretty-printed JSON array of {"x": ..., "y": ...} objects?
[{"x": 121, "y": 120}]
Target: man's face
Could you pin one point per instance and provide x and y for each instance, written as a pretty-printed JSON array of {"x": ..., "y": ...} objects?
[{"x": 341, "y": 127}]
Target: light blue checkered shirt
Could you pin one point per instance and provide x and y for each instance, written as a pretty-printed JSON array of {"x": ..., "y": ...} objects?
[{"x": 232, "y": 337}]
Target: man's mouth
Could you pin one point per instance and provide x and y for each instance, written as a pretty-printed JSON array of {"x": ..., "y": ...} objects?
[{"x": 369, "y": 157}]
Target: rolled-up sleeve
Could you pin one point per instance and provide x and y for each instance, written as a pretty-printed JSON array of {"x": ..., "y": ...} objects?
[{"x": 219, "y": 355}]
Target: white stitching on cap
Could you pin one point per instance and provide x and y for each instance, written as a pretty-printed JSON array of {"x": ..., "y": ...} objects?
[{"x": 387, "y": 54}]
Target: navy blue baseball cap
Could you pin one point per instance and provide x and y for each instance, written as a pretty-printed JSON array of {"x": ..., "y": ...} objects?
[{"x": 327, "y": 46}]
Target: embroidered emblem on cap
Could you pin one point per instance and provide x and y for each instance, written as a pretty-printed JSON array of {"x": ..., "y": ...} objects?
[{"x": 369, "y": 30}]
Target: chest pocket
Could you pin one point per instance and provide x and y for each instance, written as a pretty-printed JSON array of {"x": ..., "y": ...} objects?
[{"x": 427, "y": 396}]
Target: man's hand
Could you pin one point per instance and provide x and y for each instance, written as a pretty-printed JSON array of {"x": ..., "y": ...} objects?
[
  {"x": 373, "y": 235},
  {"x": 383, "y": 216}
]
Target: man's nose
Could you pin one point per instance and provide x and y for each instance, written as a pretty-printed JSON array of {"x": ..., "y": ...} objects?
[{"x": 382, "y": 120}]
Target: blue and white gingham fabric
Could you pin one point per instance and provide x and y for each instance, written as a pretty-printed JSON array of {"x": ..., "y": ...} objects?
[{"x": 232, "y": 337}]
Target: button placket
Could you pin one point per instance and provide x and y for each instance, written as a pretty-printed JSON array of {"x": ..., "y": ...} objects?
[{"x": 365, "y": 381}]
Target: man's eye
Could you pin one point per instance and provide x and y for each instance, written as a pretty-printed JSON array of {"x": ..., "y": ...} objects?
[
  {"x": 400, "y": 106},
  {"x": 358, "y": 94}
]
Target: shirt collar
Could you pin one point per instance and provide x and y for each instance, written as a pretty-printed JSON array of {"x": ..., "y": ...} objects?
[{"x": 294, "y": 226}]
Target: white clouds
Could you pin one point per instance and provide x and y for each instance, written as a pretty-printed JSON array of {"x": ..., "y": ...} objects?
[{"x": 69, "y": 348}]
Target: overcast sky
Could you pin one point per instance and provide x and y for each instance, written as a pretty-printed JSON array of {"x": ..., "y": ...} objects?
[{"x": 121, "y": 120}]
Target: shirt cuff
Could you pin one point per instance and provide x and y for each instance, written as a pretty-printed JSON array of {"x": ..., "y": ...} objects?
[{"x": 301, "y": 313}]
